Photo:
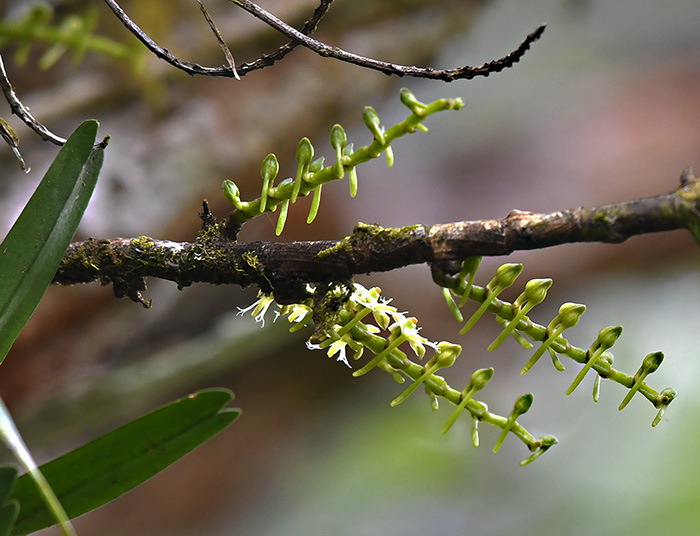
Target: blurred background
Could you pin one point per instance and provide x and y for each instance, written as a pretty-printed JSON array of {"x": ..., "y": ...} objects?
[{"x": 604, "y": 108}]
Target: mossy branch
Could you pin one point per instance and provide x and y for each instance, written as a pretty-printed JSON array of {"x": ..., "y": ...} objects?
[{"x": 285, "y": 268}]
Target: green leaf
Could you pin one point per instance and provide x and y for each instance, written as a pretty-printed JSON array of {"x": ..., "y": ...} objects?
[
  {"x": 34, "y": 247},
  {"x": 111, "y": 465},
  {"x": 8, "y": 510}
]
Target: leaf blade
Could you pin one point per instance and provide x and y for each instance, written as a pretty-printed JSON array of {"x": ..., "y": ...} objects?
[
  {"x": 107, "y": 467},
  {"x": 32, "y": 250}
]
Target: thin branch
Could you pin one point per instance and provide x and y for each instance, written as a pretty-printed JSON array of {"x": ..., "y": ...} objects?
[
  {"x": 286, "y": 268},
  {"x": 225, "y": 71},
  {"x": 217, "y": 34},
  {"x": 446, "y": 75},
  {"x": 21, "y": 111},
  {"x": 302, "y": 37}
]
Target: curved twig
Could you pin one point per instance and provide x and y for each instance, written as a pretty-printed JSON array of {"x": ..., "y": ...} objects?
[
  {"x": 446, "y": 75},
  {"x": 225, "y": 70},
  {"x": 21, "y": 111},
  {"x": 302, "y": 37}
]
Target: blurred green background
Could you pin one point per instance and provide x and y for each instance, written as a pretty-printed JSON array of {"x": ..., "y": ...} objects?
[{"x": 604, "y": 108}]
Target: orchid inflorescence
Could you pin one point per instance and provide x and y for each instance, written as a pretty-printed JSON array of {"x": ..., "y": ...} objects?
[
  {"x": 368, "y": 321},
  {"x": 516, "y": 324},
  {"x": 312, "y": 174}
]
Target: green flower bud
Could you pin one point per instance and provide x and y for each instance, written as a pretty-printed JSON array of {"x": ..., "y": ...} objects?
[
  {"x": 534, "y": 294},
  {"x": 521, "y": 406},
  {"x": 480, "y": 378},
  {"x": 477, "y": 382},
  {"x": 445, "y": 356},
  {"x": 371, "y": 119},
  {"x": 535, "y": 291},
  {"x": 305, "y": 154},
  {"x": 570, "y": 313},
  {"x": 231, "y": 192},
  {"x": 568, "y": 317},
  {"x": 338, "y": 141},
  {"x": 338, "y": 137},
  {"x": 608, "y": 336},
  {"x": 507, "y": 274},
  {"x": 270, "y": 167},
  {"x": 305, "y": 151},
  {"x": 650, "y": 364},
  {"x": 317, "y": 165},
  {"x": 408, "y": 99},
  {"x": 505, "y": 277},
  {"x": 268, "y": 171}
]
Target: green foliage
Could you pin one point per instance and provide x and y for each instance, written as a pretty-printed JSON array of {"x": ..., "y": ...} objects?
[
  {"x": 111, "y": 465},
  {"x": 29, "y": 257},
  {"x": 8, "y": 508},
  {"x": 312, "y": 174},
  {"x": 34, "y": 247},
  {"x": 75, "y": 33}
]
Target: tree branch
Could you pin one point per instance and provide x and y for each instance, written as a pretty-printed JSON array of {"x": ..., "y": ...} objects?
[
  {"x": 446, "y": 75},
  {"x": 302, "y": 38},
  {"x": 22, "y": 111},
  {"x": 286, "y": 268}
]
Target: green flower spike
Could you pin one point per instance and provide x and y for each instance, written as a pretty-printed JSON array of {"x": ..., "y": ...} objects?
[
  {"x": 546, "y": 442},
  {"x": 606, "y": 339},
  {"x": 477, "y": 382},
  {"x": 400, "y": 333},
  {"x": 522, "y": 405},
  {"x": 535, "y": 292},
  {"x": 305, "y": 154},
  {"x": 666, "y": 396},
  {"x": 409, "y": 99},
  {"x": 445, "y": 356},
  {"x": 371, "y": 119},
  {"x": 268, "y": 171},
  {"x": 650, "y": 364},
  {"x": 338, "y": 141},
  {"x": 469, "y": 269},
  {"x": 505, "y": 277},
  {"x": 568, "y": 317}
]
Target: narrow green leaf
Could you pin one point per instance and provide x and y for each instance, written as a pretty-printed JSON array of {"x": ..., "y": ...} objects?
[
  {"x": 8, "y": 510},
  {"x": 13, "y": 441},
  {"x": 111, "y": 465},
  {"x": 32, "y": 250}
]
